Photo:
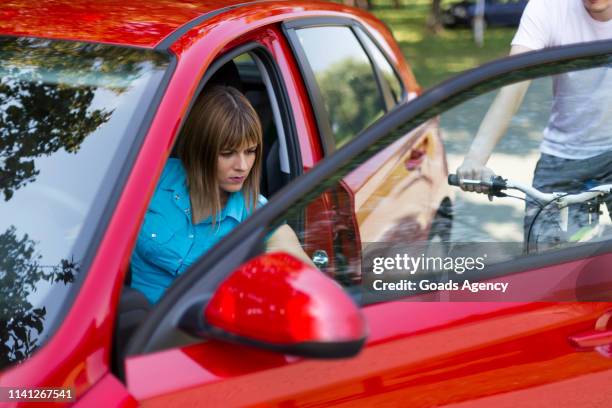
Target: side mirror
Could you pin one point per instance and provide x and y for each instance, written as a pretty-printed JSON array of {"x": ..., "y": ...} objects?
[{"x": 279, "y": 303}]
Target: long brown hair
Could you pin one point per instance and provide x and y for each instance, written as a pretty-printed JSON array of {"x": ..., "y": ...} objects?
[{"x": 221, "y": 119}]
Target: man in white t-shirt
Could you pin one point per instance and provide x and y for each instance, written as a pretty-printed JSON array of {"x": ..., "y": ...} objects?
[{"x": 580, "y": 124}]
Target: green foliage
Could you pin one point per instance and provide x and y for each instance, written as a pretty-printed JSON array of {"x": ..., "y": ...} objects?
[
  {"x": 436, "y": 57},
  {"x": 351, "y": 98},
  {"x": 46, "y": 91},
  {"x": 78, "y": 64},
  {"x": 20, "y": 274}
]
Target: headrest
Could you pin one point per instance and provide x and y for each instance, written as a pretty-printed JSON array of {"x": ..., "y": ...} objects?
[{"x": 226, "y": 75}]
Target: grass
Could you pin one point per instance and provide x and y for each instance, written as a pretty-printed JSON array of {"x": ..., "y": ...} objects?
[{"x": 435, "y": 58}]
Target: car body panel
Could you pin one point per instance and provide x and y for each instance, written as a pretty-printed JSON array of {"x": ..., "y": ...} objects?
[
  {"x": 109, "y": 21},
  {"x": 108, "y": 392},
  {"x": 385, "y": 187},
  {"x": 414, "y": 349}
]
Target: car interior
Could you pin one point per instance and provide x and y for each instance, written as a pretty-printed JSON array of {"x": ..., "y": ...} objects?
[{"x": 247, "y": 74}]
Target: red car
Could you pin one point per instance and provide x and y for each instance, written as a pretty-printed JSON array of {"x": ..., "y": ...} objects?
[{"x": 93, "y": 97}]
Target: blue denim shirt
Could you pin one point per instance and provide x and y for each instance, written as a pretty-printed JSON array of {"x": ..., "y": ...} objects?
[{"x": 168, "y": 242}]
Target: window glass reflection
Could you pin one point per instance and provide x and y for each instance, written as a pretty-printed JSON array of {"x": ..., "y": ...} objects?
[
  {"x": 66, "y": 109},
  {"x": 345, "y": 77},
  {"x": 388, "y": 73}
]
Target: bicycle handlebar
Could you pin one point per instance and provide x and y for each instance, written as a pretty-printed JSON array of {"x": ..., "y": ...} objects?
[
  {"x": 498, "y": 184},
  {"x": 453, "y": 180},
  {"x": 495, "y": 186}
]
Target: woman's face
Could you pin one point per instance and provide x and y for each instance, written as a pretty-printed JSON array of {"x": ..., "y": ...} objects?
[{"x": 233, "y": 167}]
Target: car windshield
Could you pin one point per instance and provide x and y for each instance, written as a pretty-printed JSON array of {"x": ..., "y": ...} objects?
[{"x": 68, "y": 113}]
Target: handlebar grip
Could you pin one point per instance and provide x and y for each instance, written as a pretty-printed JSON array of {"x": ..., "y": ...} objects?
[{"x": 453, "y": 180}]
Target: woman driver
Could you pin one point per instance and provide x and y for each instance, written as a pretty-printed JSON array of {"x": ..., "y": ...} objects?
[{"x": 205, "y": 193}]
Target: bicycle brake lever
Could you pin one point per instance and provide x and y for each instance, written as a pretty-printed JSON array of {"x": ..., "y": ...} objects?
[
  {"x": 496, "y": 194},
  {"x": 497, "y": 185}
]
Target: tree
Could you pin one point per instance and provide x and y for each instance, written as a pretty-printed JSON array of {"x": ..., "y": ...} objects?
[
  {"x": 350, "y": 95},
  {"x": 36, "y": 119},
  {"x": 21, "y": 323},
  {"x": 478, "y": 24},
  {"x": 46, "y": 91},
  {"x": 435, "y": 17},
  {"x": 363, "y": 4}
]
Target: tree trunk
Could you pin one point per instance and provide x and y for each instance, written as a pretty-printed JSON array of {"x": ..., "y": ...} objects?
[
  {"x": 396, "y": 4},
  {"x": 363, "y": 4},
  {"x": 478, "y": 24},
  {"x": 435, "y": 17}
]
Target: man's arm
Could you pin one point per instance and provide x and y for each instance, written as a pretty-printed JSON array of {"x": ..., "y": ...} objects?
[{"x": 492, "y": 129}]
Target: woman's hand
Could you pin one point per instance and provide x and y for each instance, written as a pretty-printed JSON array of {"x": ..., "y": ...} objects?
[{"x": 284, "y": 239}]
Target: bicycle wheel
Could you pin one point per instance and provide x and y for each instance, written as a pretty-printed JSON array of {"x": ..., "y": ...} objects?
[{"x": 546, "y": 234}]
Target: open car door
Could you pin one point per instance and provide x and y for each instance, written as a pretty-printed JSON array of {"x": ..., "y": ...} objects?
[{"x": 543, "y": 342}]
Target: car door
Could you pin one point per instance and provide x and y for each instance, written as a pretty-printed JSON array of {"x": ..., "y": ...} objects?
[
  {"x": 351, "y": 84},
  {"x": 421, "y": 351}
]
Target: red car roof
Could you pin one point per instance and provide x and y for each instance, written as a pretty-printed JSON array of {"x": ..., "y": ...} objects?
[{"x": 126, "y": 22}]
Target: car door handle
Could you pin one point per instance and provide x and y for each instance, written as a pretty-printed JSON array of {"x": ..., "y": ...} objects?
[
  {"x": 417, "y": 155},
  {"x": 595, "y": 339},
  {"x": 591, "y": 339}
]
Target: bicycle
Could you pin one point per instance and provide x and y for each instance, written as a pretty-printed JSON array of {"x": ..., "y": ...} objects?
[{"x": 552, "y": 231}]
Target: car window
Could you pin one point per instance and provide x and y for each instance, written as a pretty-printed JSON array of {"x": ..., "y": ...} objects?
[
  {"x": 345, "y": 78},
  {"x": 389, "y": 74},
  {"x": 558, "y": 141},
  {"x": 67, "y": 116},
  {"x": 494, "y": 231}
]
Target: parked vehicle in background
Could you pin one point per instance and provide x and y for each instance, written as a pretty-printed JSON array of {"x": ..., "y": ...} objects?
[{"x": 497, "y": 13}]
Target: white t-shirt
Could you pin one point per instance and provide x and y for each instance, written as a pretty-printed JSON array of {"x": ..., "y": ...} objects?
[{"x": 580, "y": 124}]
